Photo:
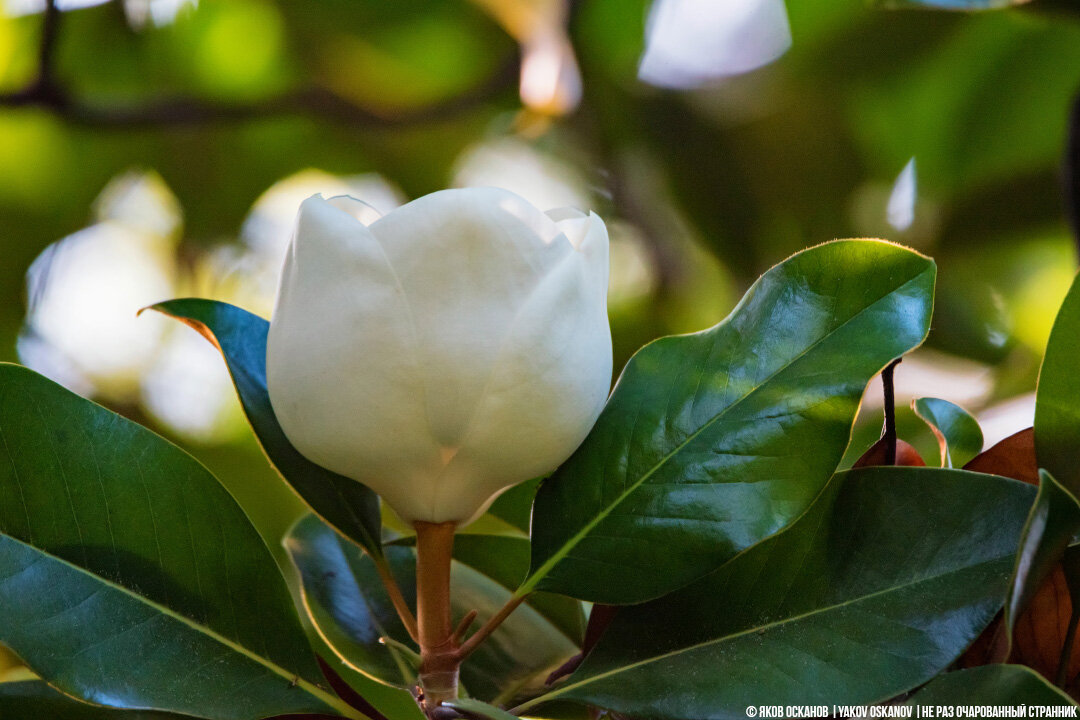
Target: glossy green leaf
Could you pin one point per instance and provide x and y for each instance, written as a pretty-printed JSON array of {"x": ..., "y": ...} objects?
[
  {"x": 1057, "y": 399},
  {"x": 515, "y": 505},
  {"x": 991, "y": 685},
  {"x": 713, "y": 441},
  {"x": 129, "y": 577},
  {"x": 880, "y": 586},
  {"x": 241, "y": 336},
  {"x": 476, "y": 709},
  {"x": 347, "y": 603},
  {"x": 1051, "y": 525},
  {"x": 33, "y": 700},
  {"x": 958, "y": 433}
]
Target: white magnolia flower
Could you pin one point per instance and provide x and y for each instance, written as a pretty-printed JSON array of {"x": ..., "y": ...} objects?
[{"x": 454, "y": 348}]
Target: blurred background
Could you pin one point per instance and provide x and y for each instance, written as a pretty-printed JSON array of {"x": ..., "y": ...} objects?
[{"x": 152, "y": 149}]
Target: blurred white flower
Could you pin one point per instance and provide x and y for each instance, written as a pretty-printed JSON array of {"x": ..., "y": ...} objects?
[{"x": 691, "y": 42}]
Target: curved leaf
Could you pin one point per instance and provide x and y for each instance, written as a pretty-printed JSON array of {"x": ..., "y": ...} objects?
[
  {"x": 35, "y": 699},
  {"x": 1051, "y": 524},
  {"x": 878, "y": 587},
  {"x": 713, "y": 441},
  {"x": 991, "y": 685},
  {"x": 349, "y": 606},
  {"x": 129, "y": 576},
  {"x": 1057, "y": 398},
  {"x": 958, "y": 433},
  {"x": 1013, "y": 457},
  {"x": 241, "y": 337}
]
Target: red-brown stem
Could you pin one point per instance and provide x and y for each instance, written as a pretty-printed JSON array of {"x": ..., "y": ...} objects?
[
  {"x": 398, "y": 600},
  {"x": 439, "y": 657},
  {"x": 489, "y": 627}
]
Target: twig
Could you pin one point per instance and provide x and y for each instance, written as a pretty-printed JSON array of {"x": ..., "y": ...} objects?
[
  {"x": 397, "y": 599},
  {"x": 490, "y": 626},
  {"x": 463, "y": 627},
  {"x": 889, "y": 431},
  {"x": 48, "y": 93}
]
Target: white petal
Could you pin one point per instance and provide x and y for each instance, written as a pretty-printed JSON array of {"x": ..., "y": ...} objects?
[
  {"x": 340, "y": 357},
  {"x": 467, "y": 261}
]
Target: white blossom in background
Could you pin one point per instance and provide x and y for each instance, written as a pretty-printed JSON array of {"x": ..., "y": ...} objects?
[
  {"x": 689, "y": 43},
  {"x": 84, "y": 290},
  {"x": 900, "y": 211},
  {"x": 506, "y": 162},
  {"x": 550, "y": 78}
]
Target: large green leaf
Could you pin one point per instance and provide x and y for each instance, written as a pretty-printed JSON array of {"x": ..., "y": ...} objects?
[
  {"x": 881, "y": 584},
  {"x": 1052, "y": 523},
  {"x": 241, "y": 336},
  {"x": 35, "y": 700},
  {"x": 991, "y": 685},
  {"x": 716, "y": 440},
  {"x": 129, "y": 577},
  {"x": 477, "y": 709},
  {"x": 1057, "y": 399},
  {"x": 958, "y": 433},
  {"x": 349, "y": 606}
]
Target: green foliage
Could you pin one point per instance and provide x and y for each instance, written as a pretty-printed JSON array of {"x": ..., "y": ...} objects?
[
  {"x": 846, "y": 606},
  {"x": 347, "y": 602},
  {"x": 346, "y": 504},
  {"x": 1057, "y": 412},
  {"x": 958, "y": 433},
  {"x": 991, "y": 685},
  {"x": 1051, "y": 525},
  {"x": 712, "y": 442},
  {"x": 129, "y": 576},
  {"x": 35, "y": 699}
]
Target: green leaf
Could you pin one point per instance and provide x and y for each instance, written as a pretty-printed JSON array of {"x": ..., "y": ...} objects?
[
  {"x": 515, "y": 505},
  {"x": 241, "y": 336},
  {"x": 991, "y": 685},
  {"x": 881, "y": 584},
  {"x": 129, "y": 577},
  {"x": 1051, "y": 524},
  {"x": 715, "y": 440},
  {"x": 477, "y": 709},
  {"x": 348, "y": 604},
  {"x": 958, "y": 433},
  {"x": 35, "y": 699},
  {"x": 1057, "y": 399}
]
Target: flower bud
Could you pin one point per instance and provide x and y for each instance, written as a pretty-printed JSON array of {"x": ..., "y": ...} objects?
[{"x": 453, "y": 348}]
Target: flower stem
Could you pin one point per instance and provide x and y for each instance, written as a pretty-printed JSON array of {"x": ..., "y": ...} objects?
[{"x": 439, "y": 657}]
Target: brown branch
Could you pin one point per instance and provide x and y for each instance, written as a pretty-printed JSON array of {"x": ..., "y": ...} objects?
[
  {"x": 48, "y": 93},
  {"x": 490, "y": 626}
]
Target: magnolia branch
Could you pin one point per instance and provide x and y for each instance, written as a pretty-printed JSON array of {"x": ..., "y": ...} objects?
[{"x": 46, "y": 91}]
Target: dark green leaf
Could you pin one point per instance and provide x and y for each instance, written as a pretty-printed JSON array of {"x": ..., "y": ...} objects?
[
  {"x": 347, "y": 603},
  {"x": 1051, "y": 524},
  {"x": 34, "y": 700},
  {"x": 515, "y": 505},
  {"x": 716, "y": 440},
  {"x": 1057, "y": 399},
  {"x": 346, "y": 504},
  {"x": 129, "y": 577},
  {"x": 881, "y": 584},
  {"x": 477, "y": 709},
  {"x": 991, "y": 685},
  {"x": 958, "y": 433}
]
